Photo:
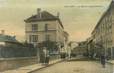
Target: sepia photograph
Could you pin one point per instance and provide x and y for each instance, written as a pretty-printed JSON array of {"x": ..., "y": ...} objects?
[{"x": 56, "y": 36}]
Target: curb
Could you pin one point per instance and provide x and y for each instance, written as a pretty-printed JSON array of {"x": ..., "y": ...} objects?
[{"x": 45, "y": 66}]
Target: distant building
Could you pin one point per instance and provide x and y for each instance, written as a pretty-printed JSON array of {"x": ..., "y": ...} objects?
[
  {"x": 7, "y": 40},
  {"x": 44, "y": 26},
  {"x": 103, "y": 33},
  {"x": 80, "y": 49}
]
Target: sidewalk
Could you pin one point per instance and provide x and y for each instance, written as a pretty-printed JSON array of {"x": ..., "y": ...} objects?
[
  {"x": 31, "y": 68},
  {"x": 111, "y": 61}
]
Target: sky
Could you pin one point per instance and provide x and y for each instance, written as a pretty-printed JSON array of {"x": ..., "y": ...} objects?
[{"x": 79, "y": 17}]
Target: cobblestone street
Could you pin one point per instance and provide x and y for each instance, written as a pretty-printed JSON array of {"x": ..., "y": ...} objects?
[{"x": 76, "y": 67}]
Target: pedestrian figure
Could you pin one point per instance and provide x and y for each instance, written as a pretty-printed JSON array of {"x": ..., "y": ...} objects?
[
  {"x": 47, "y": 58},
  {"x": 42, "y": 56},
  {"x": 94, "y": 56},
  {"x": 46, "y": 53},
  {"x": 103, "y": 60}
]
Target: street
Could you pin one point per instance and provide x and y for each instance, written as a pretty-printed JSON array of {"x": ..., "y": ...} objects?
[{"x": 76, "y": 67}]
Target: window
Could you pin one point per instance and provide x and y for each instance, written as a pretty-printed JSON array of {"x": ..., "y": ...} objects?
[
  {"x": 33, "y": 38},
  {"x": 47, "y": 37},
  {"x": 34, "y": 27}
]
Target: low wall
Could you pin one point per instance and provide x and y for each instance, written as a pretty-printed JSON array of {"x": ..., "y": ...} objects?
[{"x": 12, "y": 63}]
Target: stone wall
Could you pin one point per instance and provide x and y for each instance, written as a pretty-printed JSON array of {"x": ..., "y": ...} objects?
[{"x": 12, "y": 63}]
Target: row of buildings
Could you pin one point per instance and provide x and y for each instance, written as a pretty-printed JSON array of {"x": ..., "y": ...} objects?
[{"x": 102, "y": 37}]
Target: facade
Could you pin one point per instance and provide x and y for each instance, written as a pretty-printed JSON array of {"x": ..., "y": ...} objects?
[
  {"x": 66, "y": 41},
  {"x": 103, "y": 33},
  {"x": 44, "y": 26}
]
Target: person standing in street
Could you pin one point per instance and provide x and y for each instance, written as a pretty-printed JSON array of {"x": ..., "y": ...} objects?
[
  {"x": 103, "y": 60},
  {"x": 42, "y": 56},
  {"x": 47, "y": 57},
  {"x": 46, "y": 53}
]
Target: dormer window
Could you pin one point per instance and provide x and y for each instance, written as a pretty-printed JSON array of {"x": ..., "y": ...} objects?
[{"x": 34, "y": 27}]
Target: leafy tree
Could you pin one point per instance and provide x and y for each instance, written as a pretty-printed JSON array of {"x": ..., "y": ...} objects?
[{"x": 50, "y": 45}]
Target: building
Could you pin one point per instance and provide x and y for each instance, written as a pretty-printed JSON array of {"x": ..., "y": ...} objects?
[
  {"x": 7, "y": 39},
  {"x": 66, "y": 41},
  {"x": 80, "y": 49},
  {"x": 66, "y": 37},
  {"x": 103, "y": 33},
  {"x": 44, "y": 26}
]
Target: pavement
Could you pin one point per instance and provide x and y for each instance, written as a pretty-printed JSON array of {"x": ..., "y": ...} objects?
[
  {"x": 76, "y": 67},
  {"x": 31, "y": 68},
  {"x": 37, "y": 67},
  {"x": 111, "y": 61}
]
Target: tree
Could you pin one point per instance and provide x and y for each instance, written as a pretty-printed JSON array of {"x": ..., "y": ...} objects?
[{"x": 50, "y": 45}]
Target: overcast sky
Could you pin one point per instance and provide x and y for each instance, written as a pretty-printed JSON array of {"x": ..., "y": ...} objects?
[{"x": 79, "y": 17}]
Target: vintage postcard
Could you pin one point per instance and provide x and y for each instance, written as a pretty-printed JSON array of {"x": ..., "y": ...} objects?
[{"x": 56, "y": 36}]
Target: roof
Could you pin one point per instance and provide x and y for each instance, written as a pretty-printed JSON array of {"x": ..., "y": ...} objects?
[
  {"x": 43, "y": 16},
  {"x": 7, "y": 38},
  {"x": 103, "y": 15},
  {"x": 66, "y": 33}
]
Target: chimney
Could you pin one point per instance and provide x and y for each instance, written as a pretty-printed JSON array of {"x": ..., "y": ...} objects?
[
  {"x": 58, "y": 14},
  {"x": 2, "y": 32},
  {"x": 39, "y": 12}
]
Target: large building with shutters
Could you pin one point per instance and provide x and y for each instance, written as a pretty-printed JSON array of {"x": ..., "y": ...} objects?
[{"x": 44, "y": 26}]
